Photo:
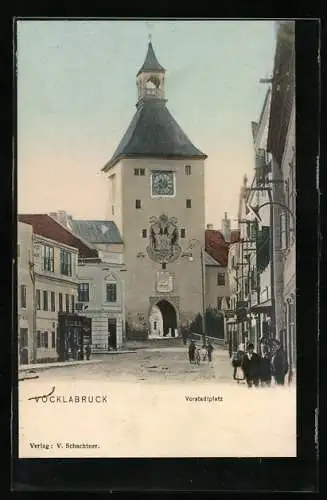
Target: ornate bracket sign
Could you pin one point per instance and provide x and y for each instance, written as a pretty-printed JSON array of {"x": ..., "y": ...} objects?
[{"x": 163, "y": 245}]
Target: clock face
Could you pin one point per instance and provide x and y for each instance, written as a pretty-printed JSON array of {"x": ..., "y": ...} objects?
[{"x": 163, "y": 183}]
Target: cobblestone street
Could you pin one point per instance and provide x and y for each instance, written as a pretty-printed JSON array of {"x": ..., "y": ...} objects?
[
  {"x": 157, "y": 404},
  {"x": 156, "y": 365}
]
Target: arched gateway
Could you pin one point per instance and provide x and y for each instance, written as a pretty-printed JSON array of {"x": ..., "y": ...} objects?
[{"x": 163, "y": 319}]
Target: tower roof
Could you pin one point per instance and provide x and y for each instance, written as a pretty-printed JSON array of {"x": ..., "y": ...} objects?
[
  {"x": 151, "y": 62},
  {"x": 153, "y": 132}
]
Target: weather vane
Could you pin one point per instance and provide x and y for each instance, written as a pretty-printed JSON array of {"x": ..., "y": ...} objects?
[{"x": 149, "y": 31}]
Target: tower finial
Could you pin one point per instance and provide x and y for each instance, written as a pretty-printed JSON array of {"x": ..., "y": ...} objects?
[{"x": 150, "y": 37}]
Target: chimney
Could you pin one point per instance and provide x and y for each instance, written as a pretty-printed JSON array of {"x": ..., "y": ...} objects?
[
  {"x": 62, "y": 217},
  {"x": 226, "y": 227},
  {"x": 209, "y": 226}
]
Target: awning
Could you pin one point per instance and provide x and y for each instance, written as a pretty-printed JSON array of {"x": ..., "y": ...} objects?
[{"x": 264, "y": 307}]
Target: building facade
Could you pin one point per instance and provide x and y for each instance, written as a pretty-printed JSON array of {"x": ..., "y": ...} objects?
[
  {"x": 25, "y": 293},
  {"x": 53, "y": 269},
  {"x": 101, "y": 290},
  {"x": 281, "y": 146},
  {"x": 156, "y": 190}
]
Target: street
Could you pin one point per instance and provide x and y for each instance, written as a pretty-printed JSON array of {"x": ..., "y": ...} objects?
[{"x": 156, "y": 404}]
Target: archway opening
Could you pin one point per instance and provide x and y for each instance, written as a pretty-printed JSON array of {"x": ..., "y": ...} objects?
[{"x": 169, "y": 317}]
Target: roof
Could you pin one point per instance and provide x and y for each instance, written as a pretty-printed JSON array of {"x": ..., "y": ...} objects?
[
  {"x": 254, "y": 128},
  {"x": 151, "y": 62},
  {"x": 209, "y": 261},
  {"x": 235, "y": 236},
  {"x": 216, "y": 246},
  {"x": 96, "y": 231},
  {"x": 153, "y": 132},
  {"x": 46, "y": 226},
  {"x": 283, "y": 90}
]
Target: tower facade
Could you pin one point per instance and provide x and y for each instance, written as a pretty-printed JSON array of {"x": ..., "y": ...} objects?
[{"x": 157, "y": 200}]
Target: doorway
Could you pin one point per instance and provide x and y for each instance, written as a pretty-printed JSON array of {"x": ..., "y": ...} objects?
[
  {"x": 112, "y": 333},
  {"x": 169, "y": 317},
  {"x": 23, "y": 346}
]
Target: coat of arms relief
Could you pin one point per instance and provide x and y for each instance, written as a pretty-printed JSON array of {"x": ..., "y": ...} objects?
[{"x": 163, "y": 246}]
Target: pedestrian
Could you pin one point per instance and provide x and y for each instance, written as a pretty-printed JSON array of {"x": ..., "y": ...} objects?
[
  {"x": 210, "y": 348},
  {"x": 197, "y": 355},
  {"x": 237, "y": 360},
  {"x": 265, "y": 368},
  {"x": 279, "y": 364},
  {"x": 88, "y": 351},
  {"x": 204, "y": 352},
  {"x": 251, "y": 366},
  {"x": 191, "y": 351}
]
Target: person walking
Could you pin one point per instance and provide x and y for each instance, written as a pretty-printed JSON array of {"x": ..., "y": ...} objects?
[
  {"x": 210, "y": 349},
  {"x": 279, "y": 364},
  {"x": 204, "y": 352},
  {"x": 265, "y": 369},
  {"x": 197, "y": 355},
  {"x": 237, "y": 360},
  {"x": 251, "y": 366},
  {"x": 191, "y": 351},
  {"x": 88, "y": 351}
]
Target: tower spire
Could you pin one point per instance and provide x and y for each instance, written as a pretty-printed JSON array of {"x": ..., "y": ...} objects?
[{"x": 151, "y": 77}]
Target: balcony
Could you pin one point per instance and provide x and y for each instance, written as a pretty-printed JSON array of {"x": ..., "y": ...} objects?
[{"x": 151, "y": 92}]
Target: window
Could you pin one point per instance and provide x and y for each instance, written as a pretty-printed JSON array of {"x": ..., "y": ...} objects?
[
  {"x": 53, "y": 340},
  {"x": 142, "y": 171},
  {"x": 221, "y": 279},
  {"x": 42, "y": 339},
  {"x": 111, "y": 292},
  {"x": 144, "y": 233},
  {"x": 83, "y": 292},
  {"x": 163, "y": 265},
  {"x": 137, "y": 203},
  {"x": 38, "y": 299},
  {"x": 53, "y": 301},
  {"x": 45, "y": 300},
  {"x": 73, "y": 303},
  {"x": 23, "y": 296},
  {"x": 283, "y": 230},
  {"x": 65, "y": 262},
  {"x": 188, "y": 203},
  {"x": 112, "y": 209},
  {"x": 188, "y": 169},
  {"x": 136, "y": 171},
  {"x": 67, "y": 302},
  {"x": 182, "y": 233},
  {"x": 154, "y": 325},
  {"x": 48, "y": 258},
  {"x": 60, "y": 302},
  {"x": 219, "y": 303}
]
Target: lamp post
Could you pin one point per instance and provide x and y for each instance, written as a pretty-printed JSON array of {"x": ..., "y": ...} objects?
[
  {"x": 123, "y": 270},
  {"x": 202, "y": 283},
  {"x": 31, "y": 266}
]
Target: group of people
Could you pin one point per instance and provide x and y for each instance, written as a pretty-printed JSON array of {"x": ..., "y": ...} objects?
[
  {"x": 196, "y": 355},
  {"x": 259, "y": 369}
]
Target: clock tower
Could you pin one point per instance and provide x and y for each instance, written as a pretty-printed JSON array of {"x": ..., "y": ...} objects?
[{"x": 156, "y": 198}]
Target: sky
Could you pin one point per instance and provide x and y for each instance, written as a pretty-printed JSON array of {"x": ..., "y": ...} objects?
[{"x": 76, "y": 95}]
